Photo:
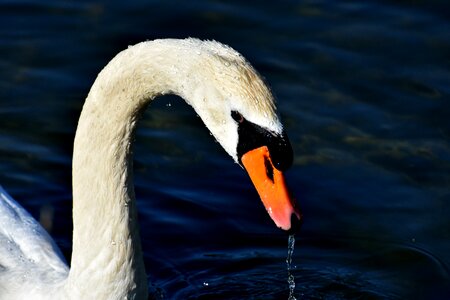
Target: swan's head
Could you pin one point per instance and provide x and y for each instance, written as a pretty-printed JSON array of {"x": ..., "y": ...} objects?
[{"x": 239, "y": 110}]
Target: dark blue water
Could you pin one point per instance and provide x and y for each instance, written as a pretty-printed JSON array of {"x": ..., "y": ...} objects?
[{"x": 363, "y": 89}]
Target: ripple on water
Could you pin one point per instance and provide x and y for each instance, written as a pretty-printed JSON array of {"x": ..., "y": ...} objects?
[{"x": 323, "y": 269}]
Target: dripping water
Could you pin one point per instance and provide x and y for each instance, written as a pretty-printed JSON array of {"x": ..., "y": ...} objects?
[{"x": 291, "y": 278}]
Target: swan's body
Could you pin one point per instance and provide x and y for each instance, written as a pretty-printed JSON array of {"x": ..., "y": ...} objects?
[{"x": 107, "y": 262}]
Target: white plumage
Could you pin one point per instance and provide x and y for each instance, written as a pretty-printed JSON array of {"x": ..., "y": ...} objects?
[{"x": 107, "y": 258}]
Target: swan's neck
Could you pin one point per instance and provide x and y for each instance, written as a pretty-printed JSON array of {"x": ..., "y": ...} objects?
[
  {"x": 107, "y": 255},
  {"x": 107, "y": 258}
]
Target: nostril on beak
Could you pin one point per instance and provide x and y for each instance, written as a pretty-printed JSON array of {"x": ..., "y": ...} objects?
[{"x": 269, "y": 169}]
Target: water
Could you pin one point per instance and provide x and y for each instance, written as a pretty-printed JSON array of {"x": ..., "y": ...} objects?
[
  {"x": 291, "y": 277},
  {"x": 363, "y": 91}
]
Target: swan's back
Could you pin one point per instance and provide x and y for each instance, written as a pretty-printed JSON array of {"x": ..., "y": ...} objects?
[{"x": 29, "y": 258}]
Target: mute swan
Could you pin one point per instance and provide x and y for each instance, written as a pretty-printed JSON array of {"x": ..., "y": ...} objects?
[{"x": 107, "y": 263}]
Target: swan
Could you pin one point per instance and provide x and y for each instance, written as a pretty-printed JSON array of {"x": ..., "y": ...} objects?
[{"x": 107, "y": 262}]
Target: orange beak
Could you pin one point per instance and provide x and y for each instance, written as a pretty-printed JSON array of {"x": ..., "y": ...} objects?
[{"x": 271, "y": 187}]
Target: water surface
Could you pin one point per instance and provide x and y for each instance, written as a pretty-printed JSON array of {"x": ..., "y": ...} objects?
[{"x": 363, "y": 90}]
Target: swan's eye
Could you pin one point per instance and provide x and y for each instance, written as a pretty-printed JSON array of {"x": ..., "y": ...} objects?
[
  {"x": 252, "y": 136},
  {"x": 237, "y": 116}
]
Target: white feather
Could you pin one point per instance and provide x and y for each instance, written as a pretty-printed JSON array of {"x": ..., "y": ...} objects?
[{"x": 107, "y": 258}]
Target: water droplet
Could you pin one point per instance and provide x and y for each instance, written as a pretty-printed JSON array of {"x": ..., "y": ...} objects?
[
  {"x": 169, "y": 104},
  {"x": 113, "y": 243},
  {"x": 205, "y": 283},
  {"x": 227, "y": 63},
  {"x": 291, "y": 278}
]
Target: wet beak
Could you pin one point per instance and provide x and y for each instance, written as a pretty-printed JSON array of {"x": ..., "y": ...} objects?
[{"x": 271, "y": 187}]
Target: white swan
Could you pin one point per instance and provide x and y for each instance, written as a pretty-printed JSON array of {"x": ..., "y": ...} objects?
[{"x": 107, "y": 263}]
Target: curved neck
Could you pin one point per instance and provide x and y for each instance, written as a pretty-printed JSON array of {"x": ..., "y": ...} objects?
[
  {"x": 107, "y": 260},
  {"x": 107, "y": 255}
]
